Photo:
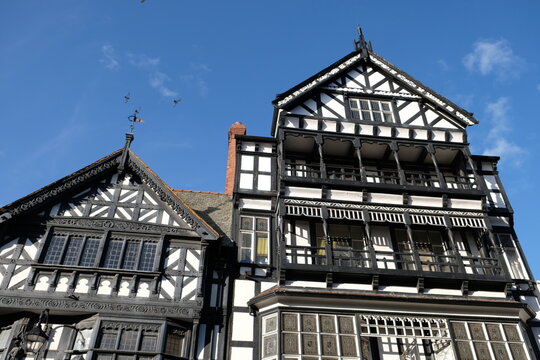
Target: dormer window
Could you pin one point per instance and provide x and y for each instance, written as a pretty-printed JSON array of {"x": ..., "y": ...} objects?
[{"x": 371, "y": 110}]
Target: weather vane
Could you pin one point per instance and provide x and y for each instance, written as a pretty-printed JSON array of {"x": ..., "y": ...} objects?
[{"x": 134, "y": 119}]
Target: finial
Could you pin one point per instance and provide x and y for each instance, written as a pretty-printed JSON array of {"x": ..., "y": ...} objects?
[
  {"x": 361, "y": 44},
  {"x": 134, "y": 119},
  {"x": 125, "y": 151}
]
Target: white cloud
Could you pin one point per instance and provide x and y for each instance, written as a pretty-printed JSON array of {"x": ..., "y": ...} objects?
[
  {"x": 497, "y": 140},
  {"x": 443, "y": 64},
  {"x": 195, "y": 80},
  {"x": 142, "y": 60},
  {"x": 494, "y": 57},
  {"x": 157, "y": 81},
  {"x": 109, "y": 58}
]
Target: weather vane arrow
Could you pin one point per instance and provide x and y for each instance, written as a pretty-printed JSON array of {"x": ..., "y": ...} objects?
[{"x": 134, "y": 119}]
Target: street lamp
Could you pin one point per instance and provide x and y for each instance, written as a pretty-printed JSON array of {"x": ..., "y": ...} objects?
[{"x": 35, "y": 338}]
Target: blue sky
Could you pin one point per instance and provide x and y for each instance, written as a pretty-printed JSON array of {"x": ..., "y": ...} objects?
[{"x": 65, "y": 67}]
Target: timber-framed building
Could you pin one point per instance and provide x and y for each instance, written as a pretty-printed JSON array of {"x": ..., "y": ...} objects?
[{"x": 362, "y": 228}]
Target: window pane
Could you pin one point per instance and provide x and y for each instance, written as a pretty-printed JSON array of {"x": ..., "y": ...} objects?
[
  {"x": 377, "y": 116},
  {"x": 130, "y": 255},
  {"x": 112, "y": 257},
  {"x": 72, "y": 251},
  {"x": 364, "y": 105},
  {"x": 262, "y": 224},
  {"x": 353, "y": 104},
  {"x": 246, "y": 223},
  {"x": 148, "y": 255},
  {"x": 385, "y": 106},
  {"x": 375, "y": 105},
  {"x": 88, "y": 257},
  {"x": 54, "y": 252},
  {"x": 262, "y": 248},
  {"x": 174, "y": 344},
  {"x": 108, "y": 340},
  {"x": 246, "y": 240},
  {"x": 245, "y": 255},
  {"x": 388, "y": 118},
  {"x": 128, "y": 340},
  {"x": 355, "y": 114},
  {"x": 148, "y": 342},
  {"x": 366, "y": 116}
]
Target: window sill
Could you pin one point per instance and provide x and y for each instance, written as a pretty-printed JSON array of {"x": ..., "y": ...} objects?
[{"x": 91, "y": 270}]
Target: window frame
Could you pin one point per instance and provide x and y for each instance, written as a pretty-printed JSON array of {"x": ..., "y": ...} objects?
[
  {"x": 357, "y": 111},
  {"x": 141, "y": 259},
  {"x": 254, "y": 243}
]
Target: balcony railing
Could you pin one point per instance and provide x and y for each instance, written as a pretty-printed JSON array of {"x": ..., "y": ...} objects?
[
  {"x": 413, "y": 261},
  {"x": 382, "y": 176}
]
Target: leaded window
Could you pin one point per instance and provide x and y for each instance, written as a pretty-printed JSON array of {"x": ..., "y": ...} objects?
[
  {"x": 483, "y": 340},
  {"x": 118, "y": 340},
  {"x": 74, "y": 249},
  {"x": 371, "y": 110},
  {"x": 254, "y": 239}
]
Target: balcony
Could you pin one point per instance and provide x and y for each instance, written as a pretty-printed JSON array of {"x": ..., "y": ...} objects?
[{"x": 418, "y": 262}]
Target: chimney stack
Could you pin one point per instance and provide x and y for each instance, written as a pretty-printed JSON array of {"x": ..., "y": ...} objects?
[{"x": 236, "y": 129}]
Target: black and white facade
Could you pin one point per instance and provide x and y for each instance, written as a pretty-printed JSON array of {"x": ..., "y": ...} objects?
[
  {"x": 362, "y": 228},
  {"x": 367, "y": 230}
]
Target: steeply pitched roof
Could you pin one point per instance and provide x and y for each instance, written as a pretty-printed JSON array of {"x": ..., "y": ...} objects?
[
  {"x": 108, "y": 164},
  {"x": 214, "y": 208},
  {"x": 350, "y": 60}
]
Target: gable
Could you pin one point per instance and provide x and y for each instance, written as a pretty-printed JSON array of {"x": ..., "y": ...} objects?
[
  {"x": 122, "y": 197},
  {"x": 370, "y": 77},
  {"x": 118, "y": 187}
]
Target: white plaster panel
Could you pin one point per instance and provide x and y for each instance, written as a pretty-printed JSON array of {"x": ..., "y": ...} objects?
[
  {"x": 492, "y": 294},
  {"x": 31, "y": 248},
  {"x": 444, "y": 124},
  {"x": 264, "y": 182},
  {"x": 366, "y": 129},
  {"x": 265, "y": 163},
  {"x": 260, "y": 272},
  {"x": 385, "y": 131},
  {"x": 300, "y": 111},
  {"x": 408, "y": 111},
  {"x": 419, "y": 121},
  {"x": 302, "y": 192},
  {"x": 54, "y": 336},
  {"x": 334, "y": 104},
  {"x": 246, "y": 181},
  {"x": 244, "y": 290},
  {"x": 385, "y": 86},
  {"x": 173, "y": 257},
  {"x": 402, "y": 132},
  {"x": 465, "y": 204},
  {"x": 8, "y": 247},
  {"x": 63, "y": 284},
  {"x": 20, "y": 276},
  {"x": 248, "y": 146},
  {"x": 345, "y": 195},
  {"x": 189, "y": 284},
  {"x": 243, "y": 353},
  {"x": 430, "y": 116},
  {"x": 438, "y": 135},
  {"x": 375, "y": 78},
  {"x": 191, "y": 260},
  {"x": 401, "y": 289},
  {"x": 242, "y": 327},
  {"x": 265, "y": 285},
  {"x": 302, "y": 233},
  {"x": 255, "y": 204},
  {"x": 144, "y": 289},
  {"x": 356, "y": 75},
  {"x": 347, "y": 127},
  {"x": 420, "y": 134},
  {"x": 82, "y": 285},
  {"x": 167, "y": 287},
  {"x": 308, "y": 284},
  {"x": 456, "y": 136},
  {"x": 437, "y": 291},
  {"x": 246, "y": 162},
  {"x": 105, "y": 287},
  {"x": 42, "y": 283},
  {"x": 311, "y": 124},
  {"x": 350, "y": 286},
  {"x": 386, "y": 198},
  {"x": 265, "y": 148},
  {"x": 425, "y": 201},
  {"x": 124, "y": 288},
  {"x": 329, "y": 125}
]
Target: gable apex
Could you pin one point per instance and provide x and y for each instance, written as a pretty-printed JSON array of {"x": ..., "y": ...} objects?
[
  {"x": 415, "y": 88},
  {"x": 118, "y": 162}
]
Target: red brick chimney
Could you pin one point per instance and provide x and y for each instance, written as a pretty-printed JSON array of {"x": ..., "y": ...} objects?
[{"x": 236, "y": 129}]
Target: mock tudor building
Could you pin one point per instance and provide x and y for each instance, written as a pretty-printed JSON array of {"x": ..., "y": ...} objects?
[{"x": 362, "y": 228}]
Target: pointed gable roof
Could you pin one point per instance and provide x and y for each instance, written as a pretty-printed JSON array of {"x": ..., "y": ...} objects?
[
  {"x": 116, "y": 161},
  {"x": 354, "y": 58}
]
